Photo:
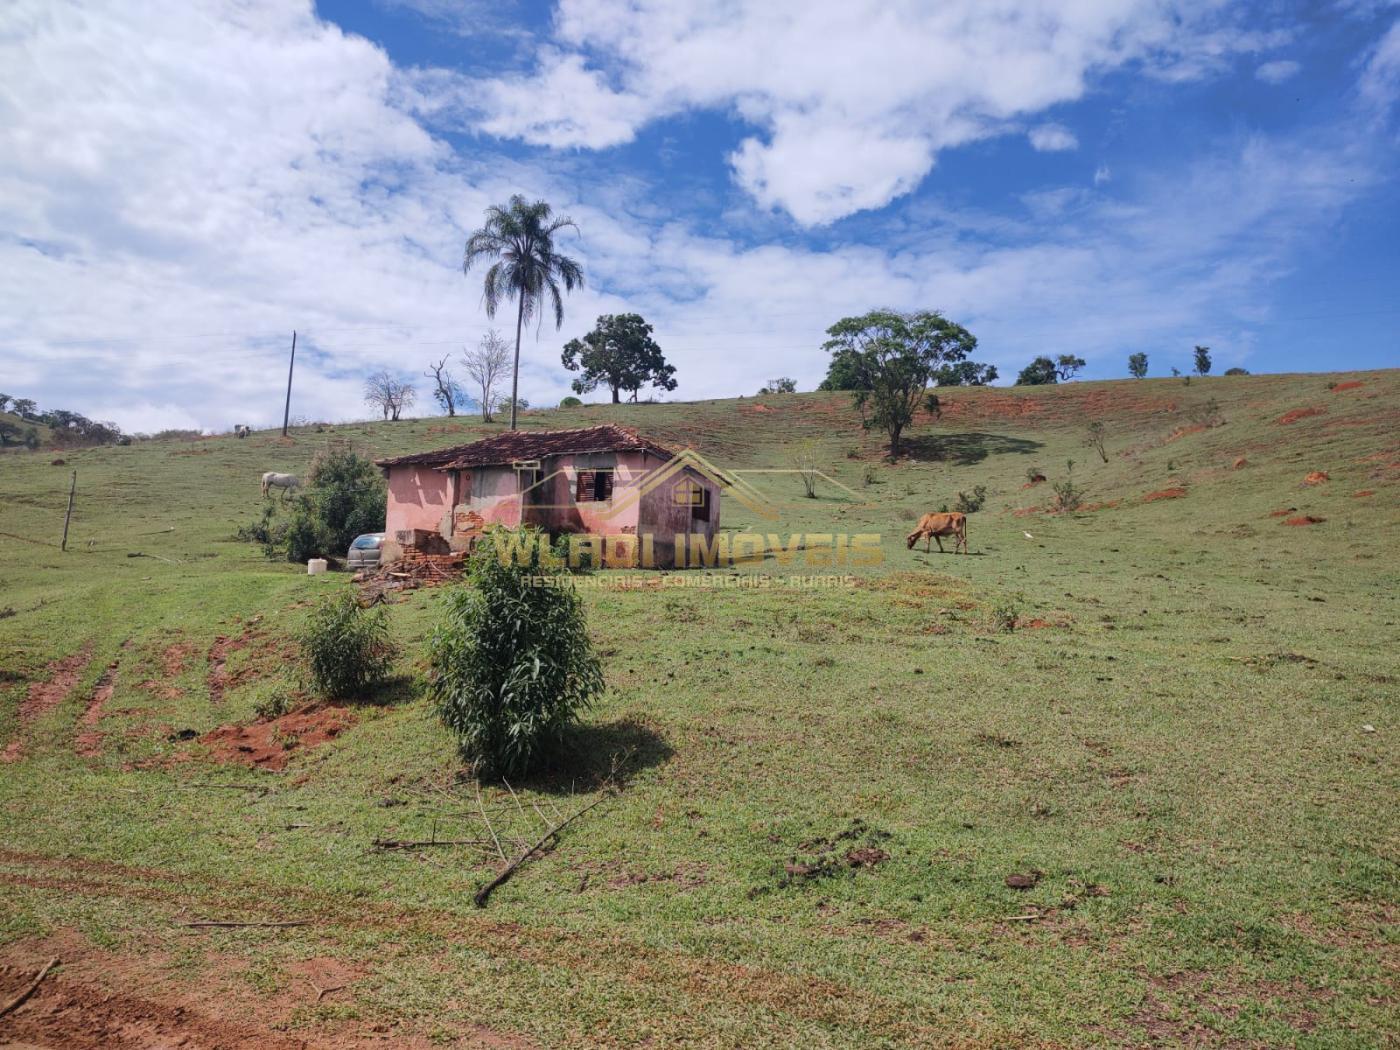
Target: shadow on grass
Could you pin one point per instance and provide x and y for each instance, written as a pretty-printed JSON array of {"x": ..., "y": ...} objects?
[
  {"x": 393, "y": 691},
  {"x": 594, "y": 754},
  {"x": 965, "y": 449}
]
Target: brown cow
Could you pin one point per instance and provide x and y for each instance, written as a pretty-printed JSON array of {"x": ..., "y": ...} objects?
[{"x": 932, "y": 526}]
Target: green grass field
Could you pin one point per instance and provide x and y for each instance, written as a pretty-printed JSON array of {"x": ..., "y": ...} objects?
[{"x": 1188, "y": 744}]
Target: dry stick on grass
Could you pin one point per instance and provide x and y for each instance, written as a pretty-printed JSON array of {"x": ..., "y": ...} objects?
[
  {"x": 487, "y": 821},
  {"x": 206, "y": 923},
  {"x": 426, "y": 843},
  {"x": 485, "y": 892},
  {"x": 17, "y": 1000}
]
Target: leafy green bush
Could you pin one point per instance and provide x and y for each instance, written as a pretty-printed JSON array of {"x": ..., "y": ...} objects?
[
  {"x": 570, "y": 402},
  {"x": 347, "y": 647},
  {"x": 345, "y": 496},
  {"x": 971, "y": 504},
  {"x": 511, "y": 665}
]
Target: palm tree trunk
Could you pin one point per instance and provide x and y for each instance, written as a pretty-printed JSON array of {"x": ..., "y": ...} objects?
[{"x": 515, "y": 373}]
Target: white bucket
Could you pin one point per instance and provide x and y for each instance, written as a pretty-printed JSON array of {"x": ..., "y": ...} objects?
[{"x": 315, "y": 566}]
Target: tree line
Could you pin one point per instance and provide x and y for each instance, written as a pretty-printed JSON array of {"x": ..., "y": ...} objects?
[{"x": 888, "y": 359}]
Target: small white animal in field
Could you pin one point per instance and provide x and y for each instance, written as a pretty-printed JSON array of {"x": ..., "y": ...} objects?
[
  {"x": 1027, "y": 534},
  {"x": 241, "y": 430},
  {"x": 288, "y": 483}
]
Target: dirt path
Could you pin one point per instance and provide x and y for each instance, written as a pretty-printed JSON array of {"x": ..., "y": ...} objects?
[
  {"x": 694, "y": 979},
  {"x": 88, "y": 742},
  {"x": 46, "y": 695}
]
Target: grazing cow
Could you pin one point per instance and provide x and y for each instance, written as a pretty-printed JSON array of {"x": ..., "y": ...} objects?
[
  {"x": 932, "y": 526},
  {"x": 288, "y": 483},
  {"x": 242, "y": 430}
]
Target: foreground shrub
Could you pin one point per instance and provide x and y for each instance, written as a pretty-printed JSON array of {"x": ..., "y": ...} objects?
[
  {"x": 346, "y": 647},
  {"x": 511, "y": 665}
]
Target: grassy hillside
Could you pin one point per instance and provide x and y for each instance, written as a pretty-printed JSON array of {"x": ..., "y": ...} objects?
[
  {"x": 41, "y": 432},
  {"x": 1188, "y": 746}
]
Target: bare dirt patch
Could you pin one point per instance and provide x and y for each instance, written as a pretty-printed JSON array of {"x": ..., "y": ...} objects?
[
  {"x": 1175, "y": 492},
  {"x": 1282, "y": 512},
  {"x": 88, "y": 742},
  {"x": 1317, "y": 477},
  {"x": 1304, "y": 519},
  {"x": 1239, "y": 464},
  {"x": 46, "y": 695},
  {"x": 1299, "y": 413},
  {"x": 268, "y": 745},
  {"x": 172, "y": 660},
  {"x": 1350, "y": 384},
  {"x": 1363, "y": 493},
  {"x": 130, "y": 1001}
]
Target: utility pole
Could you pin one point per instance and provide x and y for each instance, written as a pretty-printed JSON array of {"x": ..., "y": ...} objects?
[
  {"x": 69, "y": 516},
  {"x": 287, "y": 411}
]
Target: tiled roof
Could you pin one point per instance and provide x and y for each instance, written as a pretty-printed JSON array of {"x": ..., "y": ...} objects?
[{"x": 515, "y": 445}]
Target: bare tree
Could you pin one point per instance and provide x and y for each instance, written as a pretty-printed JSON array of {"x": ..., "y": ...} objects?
[
  {"x": 1095, "y": 437},
  {"x": 446, "y": 390},
  {"x": 391, "y": 396},
  {"x": 487, "y": 365}
]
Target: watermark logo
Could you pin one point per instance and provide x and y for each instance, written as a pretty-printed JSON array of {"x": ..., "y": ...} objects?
[{"x": 619, "y": 537}]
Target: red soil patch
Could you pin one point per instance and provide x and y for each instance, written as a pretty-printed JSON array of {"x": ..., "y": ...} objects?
[
  {"x": 1299, "y": 413},
  {"x": 755, "y": 408},
  {"x": 1351, "y": 384},
  {"x": 1363, "y": 492},
  {"x": 1282, "y": 512},
  {"x": 88, "y": 743},
  {"x": 1304, "y": 519},
  {"x": 172, "y": 661},
  {"x": 219, "y": 678},
  {"x": 46, "y": 695},
  {"x": 1175, "y": 492},
  {"x": 1239, "y": 464},
  {"x": 1317, "y": 477},
  {"x": 1181, "y": 432},
  {"x": 263, "y": 745}
]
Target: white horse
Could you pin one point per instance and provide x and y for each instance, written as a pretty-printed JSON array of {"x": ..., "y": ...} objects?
[{"x": 288, "y": 483}]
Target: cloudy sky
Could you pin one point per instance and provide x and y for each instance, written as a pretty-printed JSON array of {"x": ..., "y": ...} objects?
[{"x": 182, "y": 184}]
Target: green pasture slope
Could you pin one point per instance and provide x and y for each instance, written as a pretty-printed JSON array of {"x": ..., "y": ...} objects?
[{"x": 1188, "y": 745}]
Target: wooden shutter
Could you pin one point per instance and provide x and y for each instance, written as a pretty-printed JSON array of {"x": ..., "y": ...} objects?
[{"x": 584, "y": 491}]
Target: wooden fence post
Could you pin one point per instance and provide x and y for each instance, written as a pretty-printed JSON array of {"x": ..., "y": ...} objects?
[{"x": 69, "y": 516}]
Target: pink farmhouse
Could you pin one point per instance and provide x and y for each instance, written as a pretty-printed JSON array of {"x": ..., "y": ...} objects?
[{"x": 606, "y": 480}]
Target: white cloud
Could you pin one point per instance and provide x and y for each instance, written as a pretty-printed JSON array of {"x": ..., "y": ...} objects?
[
  {"x": 852, "y": 100},
  {"x": 1102, "y": 174},
  {"x": 185, "y": 185},
  {"x": 1278, "y": 71},
  {"x": 1049, "y": 138},
  {"x": 1380, "y": 78}
]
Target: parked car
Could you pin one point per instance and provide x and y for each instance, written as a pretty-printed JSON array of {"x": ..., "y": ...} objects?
[{"x": 365, "y": 551}]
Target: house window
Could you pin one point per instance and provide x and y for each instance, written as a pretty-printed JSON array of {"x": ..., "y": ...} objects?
[
  {"x": 692, "y": 494},
  {"x": 594, "y": 486}
]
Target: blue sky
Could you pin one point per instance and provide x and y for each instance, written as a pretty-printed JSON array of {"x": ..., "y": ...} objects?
[{"x": 186, "y": 183}]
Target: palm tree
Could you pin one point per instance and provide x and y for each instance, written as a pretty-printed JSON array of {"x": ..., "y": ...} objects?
[{"x": 520, "y": 238}]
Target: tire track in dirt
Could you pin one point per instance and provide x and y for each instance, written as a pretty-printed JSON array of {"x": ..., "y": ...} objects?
[
  {"x": 693, "y": 978},
  {"x": 46, "y": 695},
  {"x": 88, "y": 742}
]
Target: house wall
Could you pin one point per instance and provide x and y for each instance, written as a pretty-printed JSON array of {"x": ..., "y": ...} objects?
[
  {"x": 494, "y": 495},
  {"x": 419, "y": 498},
  {"x": 664, "y": 519}
]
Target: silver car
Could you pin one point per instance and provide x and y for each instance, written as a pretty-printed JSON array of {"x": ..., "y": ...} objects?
[{"x": 365, "y": 551}]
